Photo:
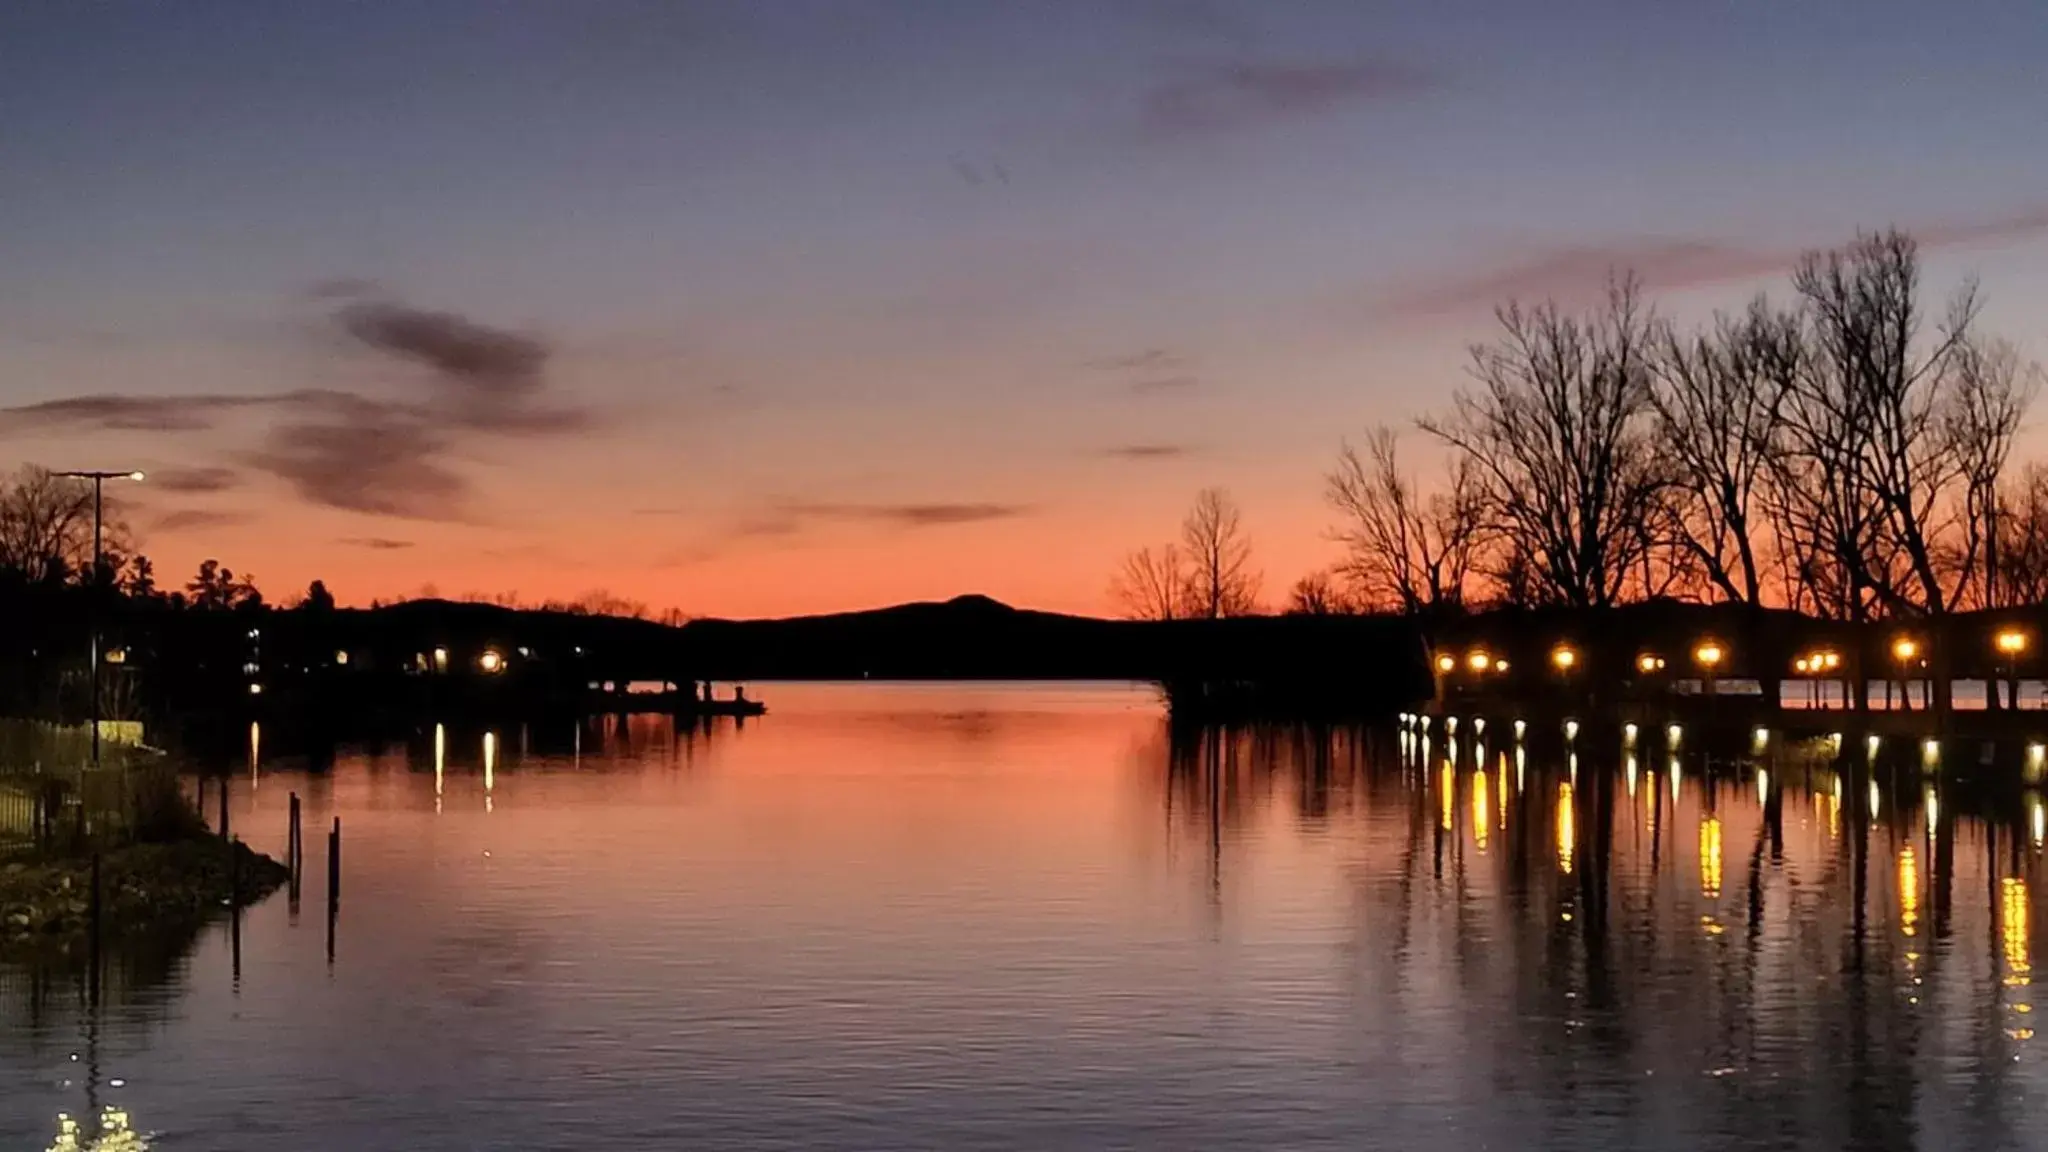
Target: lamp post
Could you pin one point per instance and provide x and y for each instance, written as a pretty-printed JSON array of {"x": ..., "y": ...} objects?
[
  {"x": 99, "y": 480},
  {"x": 2012, "y": 644},
  {"x": 1708, "y": 654},
  {"x": 1904, "y": 649}
]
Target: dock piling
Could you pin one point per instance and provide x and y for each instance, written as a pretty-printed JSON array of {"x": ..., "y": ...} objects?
[{"x": 333, "y": 883}]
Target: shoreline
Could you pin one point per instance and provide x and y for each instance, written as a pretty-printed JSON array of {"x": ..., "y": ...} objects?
[{"x": 46, "y": 903}]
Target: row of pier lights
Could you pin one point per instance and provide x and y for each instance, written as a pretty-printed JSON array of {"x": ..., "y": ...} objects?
[
  {"x": 1416, "y": 727},
  {"x": 1709, "y": 655}
]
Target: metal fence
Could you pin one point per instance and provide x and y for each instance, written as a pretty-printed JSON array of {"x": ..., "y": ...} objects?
[{"x": 52, "y": 798}]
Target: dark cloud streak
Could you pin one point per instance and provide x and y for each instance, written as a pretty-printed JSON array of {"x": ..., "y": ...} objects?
[
  {"x": 1578, "y": 271},
  {"x": 1225, "y": 97},
  {"x": 193, "y": 481}
]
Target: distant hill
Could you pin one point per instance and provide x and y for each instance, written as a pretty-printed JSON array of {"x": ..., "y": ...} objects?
[{"x": 975, "y": 637}]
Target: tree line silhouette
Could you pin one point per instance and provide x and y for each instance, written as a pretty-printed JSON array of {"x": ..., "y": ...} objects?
[{"x": 1847, "y": 454}]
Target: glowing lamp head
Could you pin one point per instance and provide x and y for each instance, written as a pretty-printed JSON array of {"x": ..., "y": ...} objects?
[
  {"x": 1708, "y": 654},
  {"x": 135, "y": 476},
  {"x": 1479, "y": 661},
  {"x": 2012, "y": 642},
  {"x": 1563, "y": 657},
  {"x": 1800, "y": 664},
  {"x": 1904, "y": 649},
  {"x": 1500, "y": 666},
  {"x": 1646, "y": 663},
  {"x": 1831, "y": 659},
  {"x": 1446, "y": 663},
  {"x": 490, "y": 662}
]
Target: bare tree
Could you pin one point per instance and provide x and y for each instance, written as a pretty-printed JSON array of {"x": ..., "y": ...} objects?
[
  {"x": 1317, "y": 594},
  {"x": 45, "y": 526},
  {"x": 1877, "y": 391},
  {"x": 1405, "y": 550},
  {"x": 1990, "y": 395},
  {"x": 1152, "y": 584},
  {"x": 1720, "y": 400},
  {"x": 2022, "y": 527},
  {"x": 1219, "y": 558},
  {"x": 1559, "y": 433}
]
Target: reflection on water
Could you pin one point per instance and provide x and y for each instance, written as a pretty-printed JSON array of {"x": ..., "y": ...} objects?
[{"x": 997, "y": 917}]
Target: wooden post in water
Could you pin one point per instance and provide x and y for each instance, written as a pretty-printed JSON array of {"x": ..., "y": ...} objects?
[
  {"x": 93, "y": 937},
  {"x": 294, "y": 849},
  {"x": 333, "y": 884},
  {"x": 235, "y": 908}
]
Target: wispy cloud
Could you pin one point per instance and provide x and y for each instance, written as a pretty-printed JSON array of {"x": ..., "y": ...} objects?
[
  {"x": 785, "y": 519},
  {"x": 1149, "y": 360},
  {"x": 1576, "y": 271},
  {"x": 195, "y": 519},
  {"x": 935, "y": 515},
  {"x": 119, "y": 412},
  {"x": 1150, "y": 372},
  {"x": 1214, "y": 98},
  {"x": 1148, "y": 452},
  {"x": 375, "y": 543},
  {"x": 193, "y": 481},
  {"x": 384, "y": 455}
]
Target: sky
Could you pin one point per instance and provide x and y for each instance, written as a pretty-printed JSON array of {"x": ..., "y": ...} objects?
[{"x": 767, "y": 309}]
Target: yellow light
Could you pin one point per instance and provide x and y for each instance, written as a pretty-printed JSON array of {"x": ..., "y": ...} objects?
[
  {"x": 1909, "y": 891},
  {"x": 440, "y": 757},
  {"x": 440, "y": 659},
  {"x": 1831, "y": 659},
  {"x": 1479, "y": 660},
  {"x": 1904, "y": 649},
  {"x": 1673, "y": 734},
  {"x": 1799, "y": 665},
  {"x": 255, "y": 689},
  {"x": 2012, "y": 643},
  {"x": 1628, "y": 735},
  {"x": 1708, "y": 654},
  {"x": 1482, "y": 814},
  {"x": 117, "y": 655},
  {"x": 2040, "y": 816},
  {"x": 1445, "y": 663},
  {"x": 1500, "y": 665},
  {"x": 1648, "y": 663},
  {"x": 1567, "y": 832},
  {"x": 136, "y": 476},
  {"x": 1710, "y": 857},
  {"x": 491, "y": 662},
  {"x": 1874, "y": 804},
  {"x": 1571, "y": 730},
  {"x": 1521, "y": 726},
  {"x": 1564, "y": 658},
  {"x": 2012, "y": 929},
  {"x": 341, "y": 658},
  {"x": 1446, "y": 786}
]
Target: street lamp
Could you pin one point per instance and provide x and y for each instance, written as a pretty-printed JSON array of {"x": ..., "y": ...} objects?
[
  {"x": 1479, "y": 660},
  {"x": 1709, "y": 655},
  {"x": 99, "y": 480},
  {"x": 1563, "y": 657},
  {"x": 2012, "y": 643},
  {"x": 1904, "y": 649}
]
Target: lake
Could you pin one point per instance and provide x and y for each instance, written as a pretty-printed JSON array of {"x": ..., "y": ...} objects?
[{"x": 1018, "y": 917}]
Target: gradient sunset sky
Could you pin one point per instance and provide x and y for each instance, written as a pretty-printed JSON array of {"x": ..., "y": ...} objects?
[{"x": 759, "y": 309}]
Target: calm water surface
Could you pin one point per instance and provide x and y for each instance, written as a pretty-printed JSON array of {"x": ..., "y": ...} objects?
[{"x": 1021, "y": 917}]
